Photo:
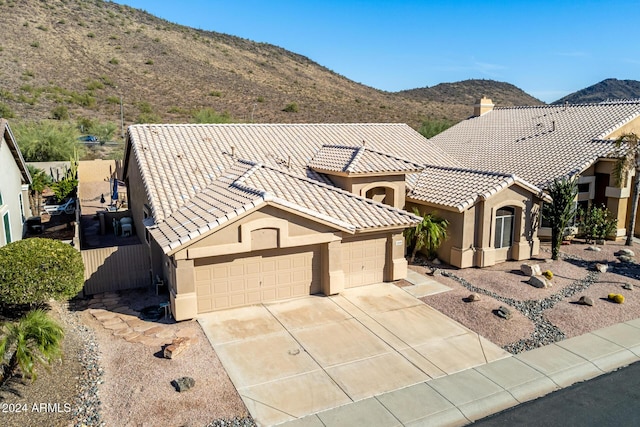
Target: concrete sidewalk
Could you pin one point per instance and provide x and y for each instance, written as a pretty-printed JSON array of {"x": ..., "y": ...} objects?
[{"x": 461, "y": 398}]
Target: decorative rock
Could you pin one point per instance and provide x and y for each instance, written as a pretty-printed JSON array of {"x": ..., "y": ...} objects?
[
  {"x": 177, "y": 346},
  {"x": 627, "y": 286},
  {"x": 539, "y": 282},
  {"x": 436, "y": 272},
  {"x": 436, "y": 261},
  {"x": 602, "y": 268},
  {"x": 473, "y": 297},
  {"x": 531, "y": 270},
  {"x": 625, "y": 258},
  {"x": 627, "y": 252},
  {"x": 594, "y": 249},
  {"x": 184, "y": 384},
  {"x": 504, "y": 312},
  {"x": 586, "y": 301}
]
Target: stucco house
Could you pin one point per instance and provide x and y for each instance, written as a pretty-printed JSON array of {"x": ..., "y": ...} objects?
[
  {"x": 236, "y": 214},
  {"x": 532, "y": 146},
  {"x": 14, "y": 187}
]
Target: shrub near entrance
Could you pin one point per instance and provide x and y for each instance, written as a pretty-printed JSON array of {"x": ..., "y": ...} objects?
[{"x": 33, "y": 271}]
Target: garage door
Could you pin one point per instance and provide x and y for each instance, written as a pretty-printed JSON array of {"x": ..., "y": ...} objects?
[
  {"x": 238, "y": 280},
  {"x": 363, "y": 261}
]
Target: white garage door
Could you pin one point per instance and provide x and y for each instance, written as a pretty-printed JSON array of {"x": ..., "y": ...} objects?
[
  {"x": 363, "y": 261},
  {"x": 244, "y": 279}
]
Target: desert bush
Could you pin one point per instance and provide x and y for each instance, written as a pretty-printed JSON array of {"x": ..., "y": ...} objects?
[
  {"x": 5, "y": 111},
  {"x": 291, "y": 108},
  {"x": 47, "y": 140},
  {"x": 114, "y": 61},
  {"x": 431, "y": 128},
  {"x": 32, "y": 271},
  {"x": 209, "y": 115},
  {"x": 597, "y": 223},
  {"x": 60, "y": 113}
]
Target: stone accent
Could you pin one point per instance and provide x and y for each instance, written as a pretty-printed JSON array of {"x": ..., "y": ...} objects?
[
  {"x": 177, "y": 346},
  {"x": 627, "y": 286},
  {"x": 504, "y": 312},
  {"x": 602, "y": 268},
  {"x": 531, "y": 269},
  {"x": 184, "y": 384},
  {"x": 594, "y": 249},
  {"x": 473, "y": 297},
  {"x": 584, "y": 300},
  {"x": 627, "y": 252},
  {"x": 539, "y": 282}
]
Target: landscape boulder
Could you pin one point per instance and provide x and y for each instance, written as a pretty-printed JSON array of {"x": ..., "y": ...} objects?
[
  {"x": 504, "y": 312},
  {"x": 602, "y": 268},
  {"x": 625, "y": 258},
  {"x": 584, "y": 300},
  {"x": 530, "y": 269},
  {"x": 594, "y": 249},
  {"x": 627, "y": 286},
  {"x": 539, "y": 282},
  {"x": 184, "y": 384},
  {"x": 627, "y": 252},
  {"x": 473, "y": 297}
]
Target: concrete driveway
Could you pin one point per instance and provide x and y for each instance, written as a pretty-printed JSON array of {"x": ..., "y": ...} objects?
[{"x": 299, "y": 357}]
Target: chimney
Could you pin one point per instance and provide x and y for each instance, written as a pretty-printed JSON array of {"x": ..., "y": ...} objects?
[{"x": 483, "y": 105}]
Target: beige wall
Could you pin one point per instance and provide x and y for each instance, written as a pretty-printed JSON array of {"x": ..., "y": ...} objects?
[
  {"x": 137, "y": 197},
  {"x": 471, "y": 233},
  {"x": 632, "y": 127},
  {"x": 395, "y": 185}
]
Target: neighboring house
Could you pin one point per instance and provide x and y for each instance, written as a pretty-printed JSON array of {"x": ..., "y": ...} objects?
[
  {"x": 14, "y": 188},
  {"x": 534, "y": 145}
]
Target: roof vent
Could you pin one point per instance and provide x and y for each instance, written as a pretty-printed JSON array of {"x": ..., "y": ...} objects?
[{"x": 482, "y": 106}]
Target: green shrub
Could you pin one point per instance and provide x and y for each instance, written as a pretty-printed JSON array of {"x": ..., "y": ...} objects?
[
  {"x": 291, "y": 108},
  {"x": 32, "y": 271},
  {"x": 60, "y": 113},
  {"x": 114, "y": 61},
  {"x": 5, "y": 111},
  {"x": 597, "y": 223},
  {"x": 209, "y": 115},
  {"x": 47, "y": 141},
  {"x": 35, "y": 44},
  {"x": 91, "y": 35},
  {"x": 215, "y": 93},
  {"x": 431, "y": 128},
  {"x": 260, "y": 99},
  {"x": 149, "y": 62}
]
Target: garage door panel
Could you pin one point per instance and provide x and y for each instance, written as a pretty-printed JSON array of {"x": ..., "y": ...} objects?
[
  {"x": 363, "y": 261},
  {"x": 268, "y": 276}
]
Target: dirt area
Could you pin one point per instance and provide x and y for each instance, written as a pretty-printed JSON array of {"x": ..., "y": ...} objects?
[{"x": 556, "y": 308}]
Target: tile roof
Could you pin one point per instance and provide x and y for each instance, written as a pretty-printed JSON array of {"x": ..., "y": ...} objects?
[
  {"x": 246, "y": 185},
  {"x": 458, "y": 188},
  {"x": 537, "y": 143},
  {"x": 177, "y": 161},
  {"x": 359, "y": 160}
]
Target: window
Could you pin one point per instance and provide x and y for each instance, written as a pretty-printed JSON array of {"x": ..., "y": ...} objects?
[
  {"x": 7, "y": 228},
  {"x": 504, "y": 227},
  {"x": 584, "y": 188},
  {"x": 20, "y": 201}
]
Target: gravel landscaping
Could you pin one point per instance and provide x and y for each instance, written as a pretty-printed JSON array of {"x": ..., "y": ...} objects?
[{"x": 541, "y": 316}]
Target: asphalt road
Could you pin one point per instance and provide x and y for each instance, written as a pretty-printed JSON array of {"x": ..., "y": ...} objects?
[{"x": 609, "y": 400}]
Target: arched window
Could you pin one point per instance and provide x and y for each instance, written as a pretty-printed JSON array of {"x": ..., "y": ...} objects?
[
  {"x": 504, "y": 227},
  {"x": 379, "y": 194}
]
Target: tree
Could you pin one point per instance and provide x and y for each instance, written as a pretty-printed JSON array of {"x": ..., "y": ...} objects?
[
  {"x": 629, "y": 161},
  {"x": 430, "y": 233},
  {"x": 561, "y": 211},
  {"x": 33, "y": 340},
  {"x": 32, "y": 271},
  {"x": 39, "y": 181},
  {"x": 46, "y": 141}
]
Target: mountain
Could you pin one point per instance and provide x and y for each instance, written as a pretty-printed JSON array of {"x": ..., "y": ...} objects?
[
  {"x": 606, "y": 89},
  {"x": 468, "y": 91},
  {"x": 84, "y": 58}
]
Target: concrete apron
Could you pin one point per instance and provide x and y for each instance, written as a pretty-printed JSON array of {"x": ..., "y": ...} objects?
[{"x": 295, "y": 358}]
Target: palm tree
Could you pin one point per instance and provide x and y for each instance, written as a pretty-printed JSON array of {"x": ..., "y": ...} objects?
[
  {"x": 33, "y": 340},
  {"x": 39, "y": 181},
  {"x": 429, "y": 233},
  {"x": 630, "y": 160}
]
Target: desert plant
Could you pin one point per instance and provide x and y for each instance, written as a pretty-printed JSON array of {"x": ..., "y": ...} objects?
[
  {"x": 39, "y": 181},
  {"x": 32, "y": 271},
  {"x": 5, "y": 111},
  {"x": 47, "y": 140},
  {"x": 561, "y": 211},
  {"x": 209, "y": 115},
  {"x": 291, "y": 108},
  {"x": 617, "y": 298},
  {"x": 429, "y": 233},
  {"x": 548, "y": 274},
  {"x": 33, "y": 340},
  {"x": 60, "y": 113},
  {"x": 597, "y": 223},
  {"x": 431, "y": 128},
  {"x": 630, "y": 160}
]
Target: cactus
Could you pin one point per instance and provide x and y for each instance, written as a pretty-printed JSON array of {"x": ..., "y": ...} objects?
[
  {"x": 617, "y": 298},
  {"x": 548, "y": 274}
]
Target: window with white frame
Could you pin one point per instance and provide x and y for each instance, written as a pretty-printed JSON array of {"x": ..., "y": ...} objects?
[
  {"x": 504, "y": 227},
  {"x": 6, "y": 226}
]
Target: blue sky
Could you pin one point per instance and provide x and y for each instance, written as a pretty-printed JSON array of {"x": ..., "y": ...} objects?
[{"x": 547, "y": 48}]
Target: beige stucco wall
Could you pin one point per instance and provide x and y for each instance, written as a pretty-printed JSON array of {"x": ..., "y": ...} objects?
[
  {"x": 361, "y": 184},
  {"x": 632, "y": 127},
  {"x": 471, "y": 233},
  {"x": 137, "y": 197}
]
